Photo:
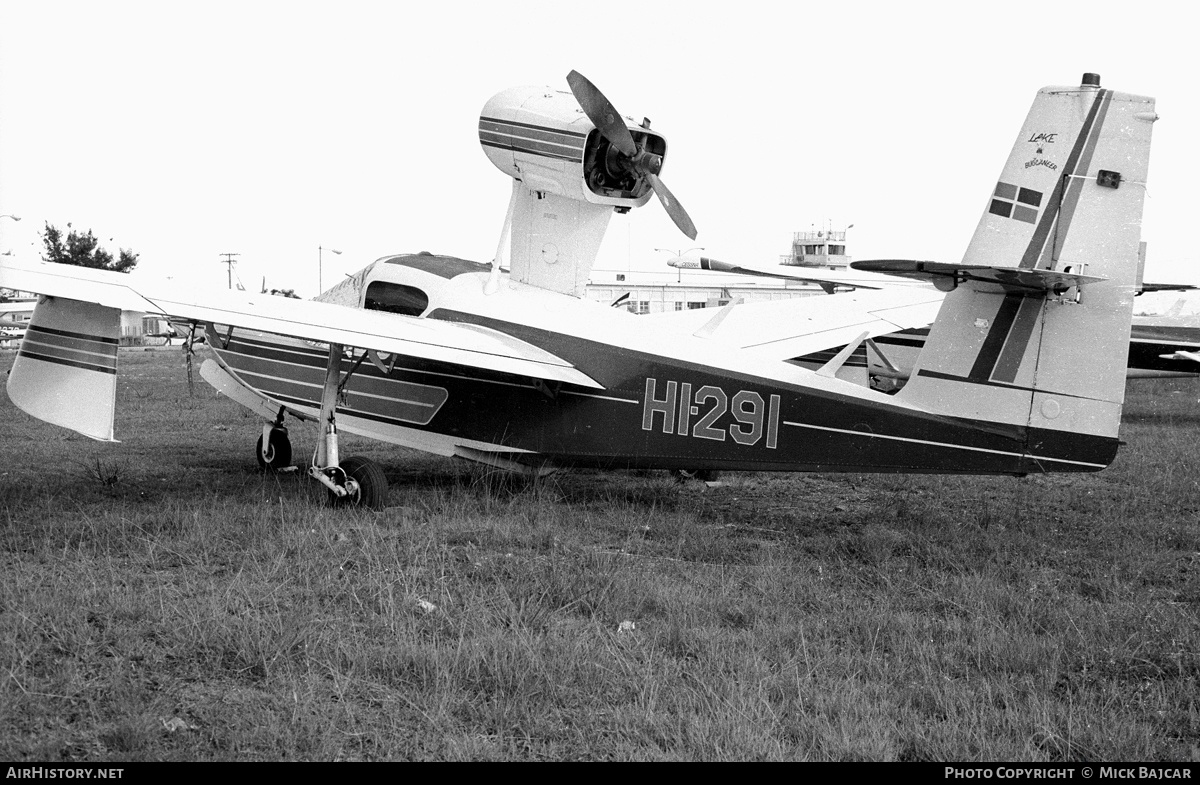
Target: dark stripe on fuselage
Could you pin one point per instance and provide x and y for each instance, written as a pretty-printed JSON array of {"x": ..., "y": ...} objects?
[
  {"x": 534, "y": 139},
  {"x": 398, "y": 400},
  {"x": 534, "y": 131},
  {"x": 302, "y": 355},
  {"x": 993, "y": 383},
  {"x": 349, "y": 411},
  {"x": 286, "y": 370},
  {"x": 912, "y": 337},
  {"x": 545, "y": 152}
]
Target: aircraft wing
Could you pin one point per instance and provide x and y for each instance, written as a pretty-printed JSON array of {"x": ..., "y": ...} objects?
[{"x": 467, "y": 345}]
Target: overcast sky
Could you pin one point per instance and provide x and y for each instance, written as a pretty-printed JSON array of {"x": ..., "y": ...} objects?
[{"x": 186, "y": 130}]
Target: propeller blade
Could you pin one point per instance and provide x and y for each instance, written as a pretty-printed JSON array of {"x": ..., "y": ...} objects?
[
  {"x": 606, "y": 118},
  {"x": 672, "y": 206},
  {"x": 602, "y": 113}
]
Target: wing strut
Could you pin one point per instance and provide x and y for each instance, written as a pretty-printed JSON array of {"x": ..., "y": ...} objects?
[{"x": 830, "y": 368}]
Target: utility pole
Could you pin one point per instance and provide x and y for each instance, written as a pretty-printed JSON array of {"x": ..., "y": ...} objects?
[
  {"x": 229, "y": 260},
  {"x": 321, "y": 265}
]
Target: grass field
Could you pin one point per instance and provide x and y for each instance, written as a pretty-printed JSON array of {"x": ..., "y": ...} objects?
[{"x": 163, "y": 600}]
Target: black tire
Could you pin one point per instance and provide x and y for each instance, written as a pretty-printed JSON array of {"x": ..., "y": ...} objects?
[
  {"x": 372, "y": 484},
  {"x": 279, "y": 450}
]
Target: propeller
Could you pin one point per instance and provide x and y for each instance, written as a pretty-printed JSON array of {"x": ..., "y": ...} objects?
[{"x": 637, "y": 160}]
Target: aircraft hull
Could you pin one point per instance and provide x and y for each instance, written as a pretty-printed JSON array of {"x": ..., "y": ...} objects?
[{"x": 655, "y": 412}]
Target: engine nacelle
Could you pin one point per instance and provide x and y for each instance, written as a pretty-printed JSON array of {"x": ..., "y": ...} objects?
[{"x": 541, "y": 137}]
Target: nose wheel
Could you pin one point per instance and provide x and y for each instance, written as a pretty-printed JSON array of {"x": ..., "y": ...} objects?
[
  {"x": 351, "y": 482},
  {"x": 274, "y": 449}
]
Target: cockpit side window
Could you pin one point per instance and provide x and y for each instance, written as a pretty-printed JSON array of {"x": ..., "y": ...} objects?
[{"x": 395, "y": 298}]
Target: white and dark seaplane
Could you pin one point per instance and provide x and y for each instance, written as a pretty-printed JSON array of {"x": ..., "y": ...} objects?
[{"x": 1023, "y": 370}]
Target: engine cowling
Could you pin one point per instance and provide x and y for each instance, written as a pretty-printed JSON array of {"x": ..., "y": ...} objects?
[{"x": 541, "y": 137}]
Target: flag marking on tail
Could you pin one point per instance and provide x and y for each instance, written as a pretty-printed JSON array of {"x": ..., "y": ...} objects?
[{"x": 1006, "y": 198}]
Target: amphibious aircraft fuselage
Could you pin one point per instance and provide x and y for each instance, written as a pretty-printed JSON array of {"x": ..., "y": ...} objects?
[{"x": 668, "y": 401}]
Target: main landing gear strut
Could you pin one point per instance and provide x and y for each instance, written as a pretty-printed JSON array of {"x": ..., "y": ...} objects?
[
  {"x": 352, "y": 482},
  {"x": 356, "y": 482}
]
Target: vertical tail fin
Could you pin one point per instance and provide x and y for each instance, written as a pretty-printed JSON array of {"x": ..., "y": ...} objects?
[{"x": 1036, "y": 333}]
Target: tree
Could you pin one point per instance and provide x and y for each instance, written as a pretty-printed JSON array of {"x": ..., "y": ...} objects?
[{"x": 83, "y": 250}]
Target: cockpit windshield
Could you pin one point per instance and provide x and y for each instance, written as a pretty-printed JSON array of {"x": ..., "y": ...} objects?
[{"x": 395, "y": 298}]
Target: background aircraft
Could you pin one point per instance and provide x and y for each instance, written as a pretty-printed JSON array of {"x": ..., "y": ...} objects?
[{"x": 14, "y": 316}]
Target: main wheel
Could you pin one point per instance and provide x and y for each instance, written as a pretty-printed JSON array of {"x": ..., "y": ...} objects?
[
  {"x": 372, "y": 484},
  {"x": 279, "y": 450}
]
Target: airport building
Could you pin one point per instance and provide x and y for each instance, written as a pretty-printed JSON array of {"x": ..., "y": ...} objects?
[{"x": 675, "y": 289}]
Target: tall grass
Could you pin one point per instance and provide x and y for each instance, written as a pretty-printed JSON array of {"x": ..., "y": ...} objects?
[{"x": 161, "y": 599}]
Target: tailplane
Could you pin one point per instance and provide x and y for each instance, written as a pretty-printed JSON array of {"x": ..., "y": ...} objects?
[{"x": 1034, "y": 331}]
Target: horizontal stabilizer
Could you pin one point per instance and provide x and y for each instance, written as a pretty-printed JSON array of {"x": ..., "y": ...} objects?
[
  {"x": 66, "y": 370},
  {"x": 948, "y": 276}
]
